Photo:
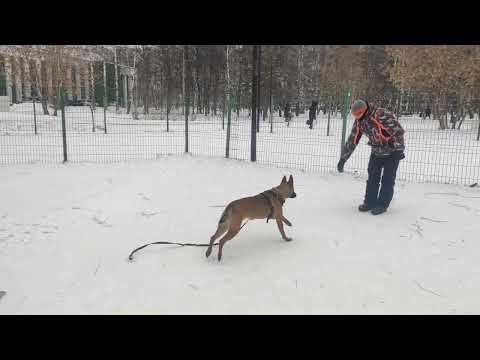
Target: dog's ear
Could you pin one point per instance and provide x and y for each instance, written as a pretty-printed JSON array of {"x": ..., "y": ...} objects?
[
  {"x": 290, "y": 180},
  {"x": 284, "y": 180}
]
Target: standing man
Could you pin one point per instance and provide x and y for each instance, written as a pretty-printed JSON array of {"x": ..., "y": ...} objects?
[
  {"x": 312, "y": 114},
  {"x": 385, "y": 136},
  {"x": 428, "y": 112},
  {"x": 287, "y": 113}
]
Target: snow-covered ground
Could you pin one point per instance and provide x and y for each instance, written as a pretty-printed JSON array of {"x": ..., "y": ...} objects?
[
  {"x": 66, "y": 232},
  {"x": 432, "y": 155}
]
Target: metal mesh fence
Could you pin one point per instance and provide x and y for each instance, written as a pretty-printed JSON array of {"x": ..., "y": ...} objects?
[
  {"x": 106, "y": 136},
  {"x": 28, "y": 136},
  {"x": 432, "y": 155},
  {"x": 295, "y": 145},
  {"x": 124, "y": 131}
]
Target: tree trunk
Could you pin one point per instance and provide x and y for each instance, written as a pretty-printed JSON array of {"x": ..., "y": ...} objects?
[
  {"x": 253, "y": 141},
  {"x": 194, "y": 90},
  {"x": 271, "y": 84},
  {"x": 215, "y": 88},
  {"x": 86, "y": 81},
  {"x": 18, "y": 80},
  {"x": 168, "y": 85},
  {"x": 8, "y": 77},
  {"x": 27, "y": 83},
  {"x": 239, "y": 91},
  {"x": 439, "y": 111},
  {"x": 134, "y": 91},
  {"x": 224, "y": 108},
  {"x": 39, "y": 86},
  {"x": 460, "y": 109},
  {"x": 167, "y": 98},
  {"x": 59, "y": 83},
  {"x": 317, "y": 85},
  {"x": 93, "y": 100},
  {"x": 186, "y": 91},
  {"x": 147, "y": 75},
  {"x": 116, "y": 80},
  {"x": 183, "y": 84},
  {"x": 206, "y": 90},
  {"x": 259, "y": 82},
  {"x": 49, "y": 74},
  {"x": 301, "y": 94},
  {"x": 199, "y": 91},
  {"x": 68, "y": 81},
  {"x": 78, "y": 82}
]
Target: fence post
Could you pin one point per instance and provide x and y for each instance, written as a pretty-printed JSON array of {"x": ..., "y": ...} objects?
[
  {"x": 105, "y": 101},
  {"x": 116, "y": 80},
  {"x": 92, "y": 110},
  {"x": 186, "y": 122},
  {"x": 64, "y": 130},
  {"x": 271, "y": 113},
  {"x": 228, "y": 105},
  {"x": 253, "y": 139},
  {"x": 229, "y": 117},
  {"x": 478, "y": 134},
  {"x": 34, "y": 116},
  {"x": 271, "y": 87},
  {"x": 329, "y": 110},
  {"x": 186, "y": 100},
  {"x": 223, "y": 112},
  {"x": 344, "y": 116},
  {"x": 168, "y": 111},
  {"x": 259, "y": 67}
]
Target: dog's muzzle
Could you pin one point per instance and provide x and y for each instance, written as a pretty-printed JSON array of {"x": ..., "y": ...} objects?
[{"x": 293, "y": 195}]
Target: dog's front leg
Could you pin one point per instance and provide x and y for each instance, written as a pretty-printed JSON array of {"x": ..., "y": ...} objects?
[
  {"x": 284, "y": 219},
  {"x": 280, "y": 227}
]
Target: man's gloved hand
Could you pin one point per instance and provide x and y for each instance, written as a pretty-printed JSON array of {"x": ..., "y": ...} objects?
[
  {"x": 340, "y": 165},
  {"x": 398, "y": 155}
]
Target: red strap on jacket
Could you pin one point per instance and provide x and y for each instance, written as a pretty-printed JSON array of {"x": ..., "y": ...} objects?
[{"x": 383, "y": 133}]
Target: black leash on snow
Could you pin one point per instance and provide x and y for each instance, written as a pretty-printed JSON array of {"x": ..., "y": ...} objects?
[{"x": 130, "y": 257}]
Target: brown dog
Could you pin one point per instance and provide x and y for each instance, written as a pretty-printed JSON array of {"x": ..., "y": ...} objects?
[{"x": 266, "y": 205}]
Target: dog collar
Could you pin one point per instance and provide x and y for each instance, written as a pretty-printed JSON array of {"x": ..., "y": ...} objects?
[{"x": 277, "y": 195}]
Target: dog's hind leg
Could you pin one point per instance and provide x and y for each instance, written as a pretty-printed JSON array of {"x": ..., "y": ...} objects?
[
  {"x": 228, "y": 236},
  {"x": 222, "y": 229}
]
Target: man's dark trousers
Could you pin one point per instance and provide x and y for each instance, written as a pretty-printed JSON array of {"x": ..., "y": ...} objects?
[{"x": 389, "y": 165}]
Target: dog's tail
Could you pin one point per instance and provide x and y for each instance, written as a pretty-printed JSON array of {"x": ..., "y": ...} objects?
[{"x": 226, "y": 215}]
